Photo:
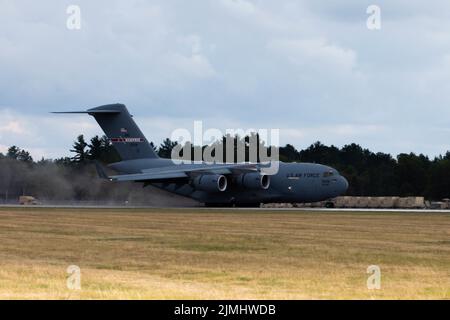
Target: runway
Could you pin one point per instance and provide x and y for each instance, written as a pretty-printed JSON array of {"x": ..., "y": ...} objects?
[{"x": 221, "y": 209}]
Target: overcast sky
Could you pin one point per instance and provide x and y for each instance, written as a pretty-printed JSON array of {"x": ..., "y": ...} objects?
[{"x": 311, "y": 68}]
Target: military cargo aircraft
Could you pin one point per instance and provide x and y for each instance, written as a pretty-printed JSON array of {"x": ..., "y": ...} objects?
[{"x": 225, "y": 184}]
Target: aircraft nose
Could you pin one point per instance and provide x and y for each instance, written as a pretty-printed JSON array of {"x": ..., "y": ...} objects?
[{"x": 343, "y": 184}]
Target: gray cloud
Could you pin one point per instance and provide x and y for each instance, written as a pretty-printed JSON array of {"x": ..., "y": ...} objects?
[{"x": 311, "y": 68}]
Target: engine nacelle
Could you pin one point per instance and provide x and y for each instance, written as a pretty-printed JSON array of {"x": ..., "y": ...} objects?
[
  {"x": 254, "y": 180},
  {"x": 210, "y": 182}
]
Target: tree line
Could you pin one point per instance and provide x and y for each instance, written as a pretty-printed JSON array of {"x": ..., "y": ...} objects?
[{"x": 368, "y": 173}]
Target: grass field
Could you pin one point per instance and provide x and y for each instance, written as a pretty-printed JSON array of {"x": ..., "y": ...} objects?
[{"x": 214, "y": 254}]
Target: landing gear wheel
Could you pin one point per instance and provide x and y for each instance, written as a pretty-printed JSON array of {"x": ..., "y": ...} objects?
[{"x": 329, "y": 204}]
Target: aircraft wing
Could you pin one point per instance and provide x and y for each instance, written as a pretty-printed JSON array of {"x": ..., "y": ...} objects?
[{"x": 179, "y": 172}]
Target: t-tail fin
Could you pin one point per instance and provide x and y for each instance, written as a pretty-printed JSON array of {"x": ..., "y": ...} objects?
[{"x": 120, "y": 128}]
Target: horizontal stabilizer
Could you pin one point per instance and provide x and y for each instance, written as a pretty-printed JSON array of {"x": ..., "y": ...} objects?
[{"x": 88, "y": 112}]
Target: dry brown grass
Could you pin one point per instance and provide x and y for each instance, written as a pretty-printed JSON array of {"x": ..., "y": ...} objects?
[{"x": 214, "y": 254}]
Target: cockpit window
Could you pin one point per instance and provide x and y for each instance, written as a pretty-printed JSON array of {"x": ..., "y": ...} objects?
[{"x": 328, "y": 173}]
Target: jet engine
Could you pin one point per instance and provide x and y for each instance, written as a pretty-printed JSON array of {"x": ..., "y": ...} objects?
[
  {"x": 210, "y": 182},
  {"x": 254, "y": 180}
]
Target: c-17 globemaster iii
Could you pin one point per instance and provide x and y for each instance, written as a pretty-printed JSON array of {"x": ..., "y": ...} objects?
[{"x": 226, "y": 184}]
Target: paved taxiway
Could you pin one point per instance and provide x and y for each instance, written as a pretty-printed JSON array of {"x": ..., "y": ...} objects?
[{"x": 231, "y": 209}]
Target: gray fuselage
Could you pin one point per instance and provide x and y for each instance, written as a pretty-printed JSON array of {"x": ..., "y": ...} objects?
[{"x": 294, "y": 182}]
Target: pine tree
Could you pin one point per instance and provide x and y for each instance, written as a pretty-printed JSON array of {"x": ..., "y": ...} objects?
[
  {"x": 165, "y": 150},
  {"x": 13, "y": 152},
  {"x": 79, "y": 148},
  {"x": 96, "y": 148},
  {"x": 24, "y": 156}
]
